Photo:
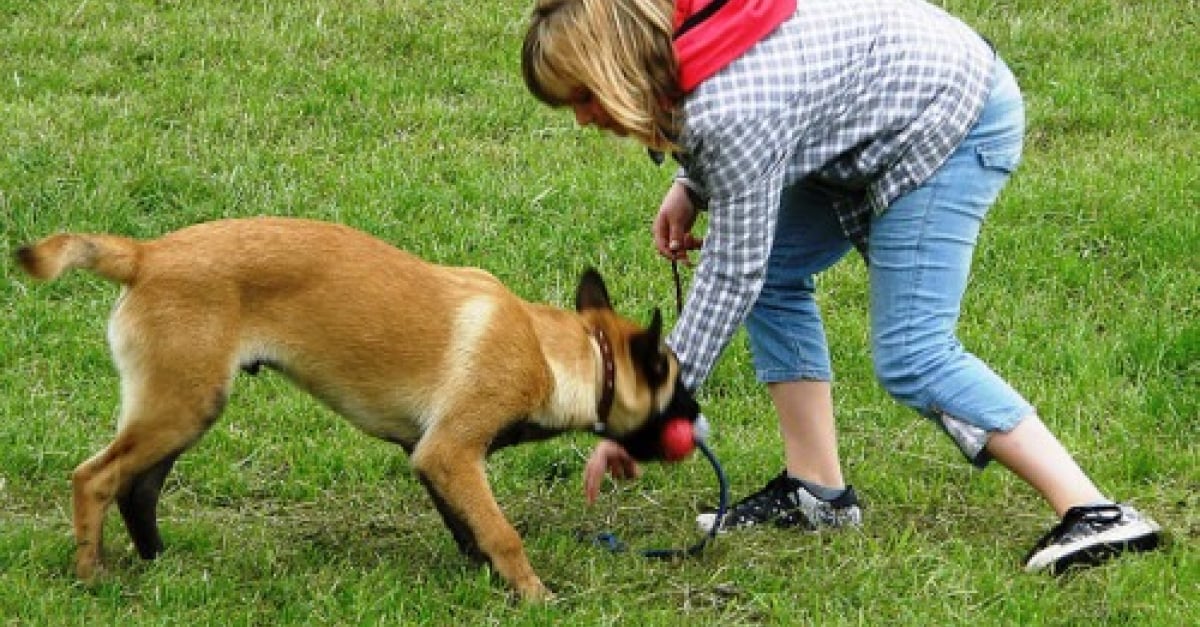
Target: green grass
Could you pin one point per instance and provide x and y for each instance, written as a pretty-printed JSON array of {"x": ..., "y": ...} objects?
[{"x": 409, "y": 120}]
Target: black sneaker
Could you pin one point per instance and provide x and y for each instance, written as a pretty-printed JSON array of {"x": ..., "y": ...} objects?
[
  {"x": 785, "y": 502},
  {"x": 1091, "y": 534}
]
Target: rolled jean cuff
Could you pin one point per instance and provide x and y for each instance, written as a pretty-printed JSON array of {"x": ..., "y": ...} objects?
[{"x": 972, "y": 440}]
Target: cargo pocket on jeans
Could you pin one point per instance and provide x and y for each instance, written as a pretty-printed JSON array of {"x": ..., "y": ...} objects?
[{"x": 1002, "y": 157}]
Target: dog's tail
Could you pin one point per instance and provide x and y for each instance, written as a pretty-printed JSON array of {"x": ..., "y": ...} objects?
[{"x": 112, "y": 257}]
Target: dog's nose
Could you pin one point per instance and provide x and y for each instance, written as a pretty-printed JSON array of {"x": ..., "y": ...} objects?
[{"x": 683, "y": 405}]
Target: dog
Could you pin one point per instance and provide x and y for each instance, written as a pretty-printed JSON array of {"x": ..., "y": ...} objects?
[{"x": 444, "y": 361}]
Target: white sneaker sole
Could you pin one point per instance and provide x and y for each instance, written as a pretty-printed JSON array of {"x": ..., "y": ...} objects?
[
  {"x": 1132, "y": 532},
  {"x": 705, "y": 523}
]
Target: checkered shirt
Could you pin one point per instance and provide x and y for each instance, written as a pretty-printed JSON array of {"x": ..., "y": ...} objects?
[{"x": 865, "y": 98}]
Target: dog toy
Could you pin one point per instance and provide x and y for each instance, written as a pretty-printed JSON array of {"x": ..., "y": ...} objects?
[{"x": 678, "y": 441}]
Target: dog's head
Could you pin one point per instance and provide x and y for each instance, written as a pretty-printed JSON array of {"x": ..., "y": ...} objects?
[{"x": 646, "y": 390}]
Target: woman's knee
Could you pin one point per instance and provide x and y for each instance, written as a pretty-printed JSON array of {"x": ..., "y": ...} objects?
[{"x": 907, "y": 370}]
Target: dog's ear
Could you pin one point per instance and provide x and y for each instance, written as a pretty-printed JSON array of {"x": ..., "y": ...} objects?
[
  {"x": 648, "y": 351},
  {"x": 654, "y": 329},
  {"x": 591, "y": 293}
]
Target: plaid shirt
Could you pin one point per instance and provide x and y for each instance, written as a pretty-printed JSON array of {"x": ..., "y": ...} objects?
[{"x": 865, "y": 98}]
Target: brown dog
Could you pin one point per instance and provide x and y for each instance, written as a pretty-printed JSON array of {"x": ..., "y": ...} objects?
[{"x": 445, "y": 362}]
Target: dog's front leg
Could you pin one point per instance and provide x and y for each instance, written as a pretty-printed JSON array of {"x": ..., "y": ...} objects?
[
  {"x": 455, "y": 478},
  {"x": 457, "y": 526}
]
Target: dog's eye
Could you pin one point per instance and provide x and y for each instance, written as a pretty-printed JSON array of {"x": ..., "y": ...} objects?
[{"x": 660, "y": 367}]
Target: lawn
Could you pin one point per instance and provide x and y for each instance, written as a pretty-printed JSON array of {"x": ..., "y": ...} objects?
[{"x": 409, "y": 120}]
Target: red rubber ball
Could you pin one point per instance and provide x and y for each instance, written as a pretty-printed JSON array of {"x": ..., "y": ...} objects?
[{"x": 677, "y": 440}]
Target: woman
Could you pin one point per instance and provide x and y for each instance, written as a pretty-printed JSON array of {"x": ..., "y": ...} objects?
[{"x": 886, "y": 126}]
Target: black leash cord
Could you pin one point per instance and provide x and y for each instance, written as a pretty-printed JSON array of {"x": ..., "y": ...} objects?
[
  {"x": 722, "y": 505},
  {"x": 678, "y": 287},
  {"x": 614, "y": 544},
  {"x": 723, "y": 501}
]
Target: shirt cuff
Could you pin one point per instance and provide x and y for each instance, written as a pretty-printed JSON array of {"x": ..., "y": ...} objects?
[{"x": 694, "y": 194}]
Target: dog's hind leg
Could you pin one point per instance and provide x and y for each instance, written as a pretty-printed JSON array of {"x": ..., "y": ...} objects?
[
  {"x": 161, "y": 418},
  {"x": 139, "y": 502},
  {"x": 139, "y": 507}
]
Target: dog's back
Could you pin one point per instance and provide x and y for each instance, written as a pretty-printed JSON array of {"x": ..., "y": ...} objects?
[{"x": 381, "y": 336}]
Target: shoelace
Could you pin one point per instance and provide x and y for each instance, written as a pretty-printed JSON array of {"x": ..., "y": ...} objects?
[
  {"x": 1089, "y": 514},
  {"x": 759, "y": 501}
]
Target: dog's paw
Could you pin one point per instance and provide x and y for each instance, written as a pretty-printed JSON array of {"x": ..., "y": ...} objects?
[
  {"x": 535, "y": 591},
  {"x": 89, "y": 573}
]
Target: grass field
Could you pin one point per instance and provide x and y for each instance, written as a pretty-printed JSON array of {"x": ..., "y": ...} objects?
[{"x": 409, "y": 120}]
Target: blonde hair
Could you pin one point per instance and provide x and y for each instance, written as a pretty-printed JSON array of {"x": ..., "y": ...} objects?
[{"x": 619, "y": 51}]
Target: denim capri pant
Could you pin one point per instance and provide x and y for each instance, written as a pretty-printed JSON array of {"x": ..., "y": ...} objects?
[{"x": 919, "y": 261}]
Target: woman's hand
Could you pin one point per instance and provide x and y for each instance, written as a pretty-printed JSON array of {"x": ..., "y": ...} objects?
[
  {"x": 673, "y": 225},
  {"x": 608, "y": 456}
]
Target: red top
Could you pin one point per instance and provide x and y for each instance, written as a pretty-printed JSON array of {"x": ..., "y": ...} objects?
[{"x": 716, "y": 41}]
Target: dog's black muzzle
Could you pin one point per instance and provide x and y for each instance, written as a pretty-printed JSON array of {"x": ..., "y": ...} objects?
[{"x": 645, "y": 444}]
